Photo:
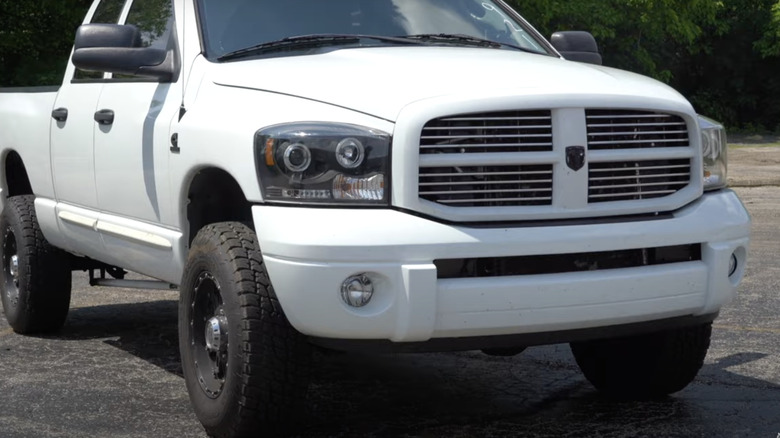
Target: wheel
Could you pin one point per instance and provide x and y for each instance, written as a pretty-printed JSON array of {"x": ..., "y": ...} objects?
[
  {"x": 245, "y": 366},
  {"x": 36, "y": 277},
  {"x": 645, "y": 366}
]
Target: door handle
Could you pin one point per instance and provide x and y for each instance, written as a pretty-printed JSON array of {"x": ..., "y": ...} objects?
[
  {"x": 104, "y": 117},
  {"x": 60, "y": 114}
]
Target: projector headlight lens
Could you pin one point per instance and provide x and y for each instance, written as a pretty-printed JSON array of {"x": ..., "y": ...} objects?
[
  {"x": 350, "y": 153},
  {"x": 323, "y": 163}
]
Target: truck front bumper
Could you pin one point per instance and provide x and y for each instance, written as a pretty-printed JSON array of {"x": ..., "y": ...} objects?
[{"x": 310, "y": 252}]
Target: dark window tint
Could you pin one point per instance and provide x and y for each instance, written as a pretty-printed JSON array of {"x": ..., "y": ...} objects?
[
  {"x": 154, "y": 18},
  {"x": 234, "y": 24},
  {"x": 108, "y": 11}
]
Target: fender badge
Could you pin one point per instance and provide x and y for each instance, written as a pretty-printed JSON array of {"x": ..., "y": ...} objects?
[{"x": 575, "y": 157}]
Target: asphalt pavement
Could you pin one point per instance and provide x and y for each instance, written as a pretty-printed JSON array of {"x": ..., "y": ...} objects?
[{"x": 114, "y": 370}]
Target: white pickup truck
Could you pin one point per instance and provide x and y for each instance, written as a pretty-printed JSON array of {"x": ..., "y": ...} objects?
[{"x": 382, "y": 175}]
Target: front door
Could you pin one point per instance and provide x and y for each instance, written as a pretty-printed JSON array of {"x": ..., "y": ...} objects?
[{"x": 132, "y": 148}]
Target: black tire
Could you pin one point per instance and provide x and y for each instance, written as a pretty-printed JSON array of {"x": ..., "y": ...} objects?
[
  {"x": 645, "y": 366},
  {"x": 256, "y": 383},
  {"x": 36, "y": 277}
]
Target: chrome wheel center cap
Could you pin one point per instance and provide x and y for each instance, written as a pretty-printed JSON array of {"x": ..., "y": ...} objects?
[
  {"x": 216, "y": 334},
  {"x": 13, "y": 268}
]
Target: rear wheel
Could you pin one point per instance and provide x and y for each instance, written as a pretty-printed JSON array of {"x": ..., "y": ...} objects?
[
  {"x": 645, "y": 366},
  {"x": 245, "y": 366},
  {"x": 36, "y": 277}
]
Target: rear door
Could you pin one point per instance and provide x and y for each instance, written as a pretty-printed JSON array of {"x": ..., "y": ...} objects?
[{"x": 72, "y": 137}]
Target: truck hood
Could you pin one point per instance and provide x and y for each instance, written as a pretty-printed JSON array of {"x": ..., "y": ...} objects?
[{"x": 382, "y": 81}]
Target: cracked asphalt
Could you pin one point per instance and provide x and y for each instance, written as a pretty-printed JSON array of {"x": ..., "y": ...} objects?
[{"x": 114, "y": 371}]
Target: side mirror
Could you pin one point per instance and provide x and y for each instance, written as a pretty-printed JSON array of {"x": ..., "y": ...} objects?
[
  {"x": 119, "y": 49},
  {"x": 577, "y": 46}
]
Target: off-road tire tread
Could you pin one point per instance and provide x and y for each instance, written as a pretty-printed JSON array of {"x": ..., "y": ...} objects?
[
  {"x": 44, "y": 295},
  {"x": 646, "y": 366},
  {"x": 274, "y": 374}
]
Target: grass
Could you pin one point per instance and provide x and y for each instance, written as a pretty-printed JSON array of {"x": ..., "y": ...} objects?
[{"x": 753, "y": 140}]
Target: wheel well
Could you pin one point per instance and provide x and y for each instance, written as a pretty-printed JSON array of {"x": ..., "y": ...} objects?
[
  {"x": 16, "y": 178},
  {"x": 214, "y": 196}
]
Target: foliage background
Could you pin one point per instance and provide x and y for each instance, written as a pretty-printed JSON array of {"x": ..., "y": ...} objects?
[
  {"x": 723, "y": 55},
  {"x": 36, "y": 37}
]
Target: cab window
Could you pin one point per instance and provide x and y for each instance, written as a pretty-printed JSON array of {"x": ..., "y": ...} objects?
[
  {"x": 107, "y": 12},
  {"x": 154, "y": 18}
]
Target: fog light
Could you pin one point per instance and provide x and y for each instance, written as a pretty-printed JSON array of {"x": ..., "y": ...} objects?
[
  {"x": 357, "y": 290},
  {"x": 733, "y": 265}
]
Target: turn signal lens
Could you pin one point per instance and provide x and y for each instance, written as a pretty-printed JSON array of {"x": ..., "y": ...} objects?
[{"x": 351, "y": 188}]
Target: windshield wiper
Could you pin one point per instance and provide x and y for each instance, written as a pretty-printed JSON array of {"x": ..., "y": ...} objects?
[
  {"x": 466, "y": 40},
  {"x": 311, "y": 42}
]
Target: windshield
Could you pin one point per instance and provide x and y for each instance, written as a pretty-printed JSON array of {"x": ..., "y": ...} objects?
[{"x": 230, "y": 25}]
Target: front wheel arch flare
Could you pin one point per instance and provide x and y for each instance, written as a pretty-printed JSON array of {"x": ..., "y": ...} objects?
[
  {"x": 214, "y": 196},
  {"x": 16, "y": 179}
]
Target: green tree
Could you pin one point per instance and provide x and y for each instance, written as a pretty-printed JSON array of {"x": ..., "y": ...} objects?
[
  {"x": 151, "y": 17},
  {"x": 734, "y": 75},
  {"x": 723, "y": 55},
  {"x": 769, "y": 44},
  {"x": 633, "y": 34},
  {"x": 36, "y": 38}
]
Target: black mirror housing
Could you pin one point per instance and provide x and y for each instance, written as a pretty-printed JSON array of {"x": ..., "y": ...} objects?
[
  {"x": 107, "y": 35},
  {"x": 119, "y": 49},
  {"x": 577, "y": 46}
]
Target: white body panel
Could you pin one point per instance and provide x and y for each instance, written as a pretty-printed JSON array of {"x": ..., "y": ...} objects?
[
  {"x": 25, "y": 118},
  {"x": 308, "y": 266},
  {"x": 131, "y": 155},
  {"x": 382, "y": 81},
  {"x": 119, "y": 194},
  {"x": 72, "y": 145}
]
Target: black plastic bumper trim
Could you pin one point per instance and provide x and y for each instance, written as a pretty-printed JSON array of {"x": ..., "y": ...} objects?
[{"x": 512, "y": 341}]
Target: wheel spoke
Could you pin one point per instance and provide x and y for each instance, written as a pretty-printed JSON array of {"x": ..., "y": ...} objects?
[
  {"x": 210, "y": 336},
  {"x": 11, "y": 267}
]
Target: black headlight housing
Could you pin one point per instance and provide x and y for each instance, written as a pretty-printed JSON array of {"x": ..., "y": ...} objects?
[{"x": 323, "y": 163}]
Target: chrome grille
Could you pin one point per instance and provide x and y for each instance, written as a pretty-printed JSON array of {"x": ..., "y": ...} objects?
[
  {"x": 628, "y": 129},
  {"x": 624, "y": 181},
  {"x": 484, "y": 186},
  {"x": 506, "y": 131},
  {"x": 510, "y": 159}
]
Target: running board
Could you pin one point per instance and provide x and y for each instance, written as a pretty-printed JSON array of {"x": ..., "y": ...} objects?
[
  {"x": 133, "y": 284},
  {"x": 119, "y": 280}
]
